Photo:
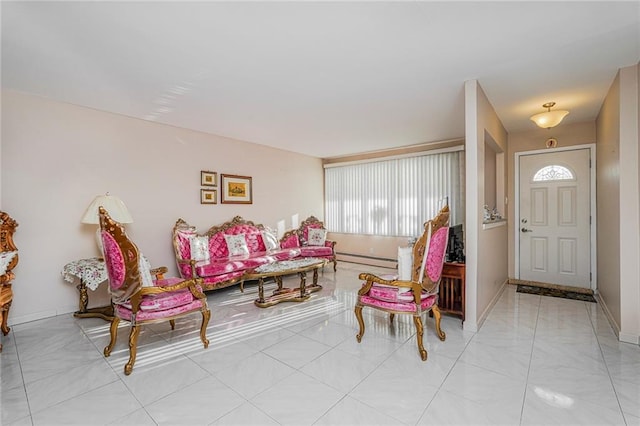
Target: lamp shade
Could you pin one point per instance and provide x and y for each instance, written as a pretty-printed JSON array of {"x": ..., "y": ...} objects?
[
  {"x": 549, "y": 119},
  {"x": 113, "y": 205}
]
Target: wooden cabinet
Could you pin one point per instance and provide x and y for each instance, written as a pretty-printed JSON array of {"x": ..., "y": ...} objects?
[{"x": 452, "y": 289}]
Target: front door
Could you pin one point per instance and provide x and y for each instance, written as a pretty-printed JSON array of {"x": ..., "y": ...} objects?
[{"x": 554, "y": 223}]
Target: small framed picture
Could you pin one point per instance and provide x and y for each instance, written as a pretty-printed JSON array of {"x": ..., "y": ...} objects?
[
  {"x": 236, "y": 189},
  {"x": 208, "y": 196},
  {"x": 208, "y": 178}
]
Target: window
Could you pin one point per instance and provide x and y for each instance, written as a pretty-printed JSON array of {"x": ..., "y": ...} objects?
[
  {"x": 393, "y": 197},
  {"x": 553, "y": 172}
]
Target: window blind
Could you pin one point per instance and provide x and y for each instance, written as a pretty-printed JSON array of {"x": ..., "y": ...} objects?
[{"x": 393, "y": 197}]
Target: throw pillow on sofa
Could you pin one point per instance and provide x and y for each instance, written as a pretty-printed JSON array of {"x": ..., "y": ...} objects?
[
  {"x": 317, "y": 236},
  {"x": 270, "y": 240},
  {"x": 200, "y": 248},
  {"x": 237, "y": 245}
]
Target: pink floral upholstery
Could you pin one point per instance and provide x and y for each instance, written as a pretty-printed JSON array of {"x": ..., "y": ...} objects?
[
  {"x": 165, "y": 298},
  {"x": 184, "y": 243},
  {"x": 437, "y": 251},
  {"x": 162, "y": 301},
  {"x": 114, "y": 261},
  {"x": 291, "y": 242},
  {"x": 389, "y": 294},
  {"x": 146, "y": 315},
  {"x": 316, "y": 251},
  {"x": 427, "y": 302},
  {"x": 223, "y": 269}
]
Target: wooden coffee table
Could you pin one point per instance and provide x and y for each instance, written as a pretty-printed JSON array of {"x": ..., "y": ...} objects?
[{"x": 279, "y": 269}]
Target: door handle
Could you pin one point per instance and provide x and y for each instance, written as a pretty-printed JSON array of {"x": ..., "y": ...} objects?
[{"x": 526, "y": 230}]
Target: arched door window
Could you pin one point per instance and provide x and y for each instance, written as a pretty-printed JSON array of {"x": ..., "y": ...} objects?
[{"x": 553, "y": 172}]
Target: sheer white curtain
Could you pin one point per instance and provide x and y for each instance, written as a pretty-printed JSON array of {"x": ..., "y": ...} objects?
[{"x": 393, "y": 197}]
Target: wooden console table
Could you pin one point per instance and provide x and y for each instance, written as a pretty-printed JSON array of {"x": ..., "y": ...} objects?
[{"x": 452, "y": 289}]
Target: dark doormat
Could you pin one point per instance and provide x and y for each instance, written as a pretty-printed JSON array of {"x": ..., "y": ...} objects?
[{"x": 554, "y": 292}]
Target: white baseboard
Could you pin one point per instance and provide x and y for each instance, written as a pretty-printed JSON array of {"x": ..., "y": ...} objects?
[
  {"x": 486, "y": 312},
  {"x": 15, "y": 320},
  {"x": 622, "y": 337}
]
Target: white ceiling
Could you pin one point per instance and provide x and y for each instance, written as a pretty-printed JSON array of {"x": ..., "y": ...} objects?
[{"x": 320, "y": 78}]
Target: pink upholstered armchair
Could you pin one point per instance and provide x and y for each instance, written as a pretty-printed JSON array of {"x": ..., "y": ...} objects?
[
  {"x": 137, "y": 297},
  {"x": 415, "y": 297}
]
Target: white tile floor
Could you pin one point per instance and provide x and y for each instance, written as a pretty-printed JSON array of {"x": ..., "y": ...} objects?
[{"x": 536, "y": 361}]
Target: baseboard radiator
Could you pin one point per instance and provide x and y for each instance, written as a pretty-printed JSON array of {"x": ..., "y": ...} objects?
[{"x": 382, "y": 262}]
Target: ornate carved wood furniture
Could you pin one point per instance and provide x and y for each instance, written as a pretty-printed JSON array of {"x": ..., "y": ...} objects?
[
  {"x": 415, "y": 297},
  {"x": 221, "y": 255},
  {"x": 139, "y": 299},
  {"x": 279, "y": 269},
  {"x": 310, "y": 238},
  {"x": 8, "y": 261}
]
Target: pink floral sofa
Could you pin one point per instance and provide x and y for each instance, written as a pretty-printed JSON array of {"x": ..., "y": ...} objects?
[
  {"x": 310, "y": 239},
  {"x": 221, "y": 255}
]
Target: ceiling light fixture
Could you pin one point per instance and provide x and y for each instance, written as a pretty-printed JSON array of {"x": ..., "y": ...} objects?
[{"x": 549, "y": 119}]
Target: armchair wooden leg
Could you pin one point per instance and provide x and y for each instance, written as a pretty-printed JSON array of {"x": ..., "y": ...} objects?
[
  {"x": 436, "y": 313},
  {"x": 358, "y": 312},
  {"x": 113, "y": 330},
  {"x": 133, "y": 349},
  {"x": 391, "y": 317},
  {"x": 206, "y": 314},
  {"x": 335, "y": 265},
  {"x": 173, "y": 324},
  {"x": 419, "y": 332}
]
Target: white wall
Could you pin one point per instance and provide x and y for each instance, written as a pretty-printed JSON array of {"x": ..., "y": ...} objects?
[
  {"x": 629, "y": 207},
  {"x": 618, "y": 135},
  {"x": 486, "y": 249},
  {"x": 57, "y": 157}
]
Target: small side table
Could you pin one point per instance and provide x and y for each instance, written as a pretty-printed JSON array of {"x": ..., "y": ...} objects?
[
  {"x": 452, "y": 289},
  {"x": 88, "y": 273}
]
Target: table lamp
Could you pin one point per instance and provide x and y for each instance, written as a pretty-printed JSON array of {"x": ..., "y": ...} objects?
[{"x": 113, "y": 205}]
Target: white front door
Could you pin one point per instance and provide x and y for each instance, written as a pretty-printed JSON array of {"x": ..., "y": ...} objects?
[{"x": 554, "y": 223}]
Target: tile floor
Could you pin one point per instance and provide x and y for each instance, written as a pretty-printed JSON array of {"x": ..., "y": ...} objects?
[{"x": 536, "y": 361}]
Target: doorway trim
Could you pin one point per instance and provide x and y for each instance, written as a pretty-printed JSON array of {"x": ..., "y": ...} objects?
[{"x": 592, "y": 194}]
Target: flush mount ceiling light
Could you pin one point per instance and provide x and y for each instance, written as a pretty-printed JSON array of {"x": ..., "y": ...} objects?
[{"x": 549, "y": 119}]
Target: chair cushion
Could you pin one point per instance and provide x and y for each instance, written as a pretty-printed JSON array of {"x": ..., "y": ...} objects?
[
  {"x": 143, "y": 315},
  {"x": 315, "y": 251},
  {"x": 426, "y": 303},
  {"x": 163, "y": 301}
]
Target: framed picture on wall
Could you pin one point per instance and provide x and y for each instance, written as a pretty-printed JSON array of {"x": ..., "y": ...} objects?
[
  {"x": 236, "y": 189},
  {"x": 208, "y": 178},
  {"x": 208, "y": 196}
]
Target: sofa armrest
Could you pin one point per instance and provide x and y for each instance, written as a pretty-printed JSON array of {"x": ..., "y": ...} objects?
[
  {"x": 330, "y": 243},
  {"x": 159, "y": 272},
  {"x": 191, "y": 263}
]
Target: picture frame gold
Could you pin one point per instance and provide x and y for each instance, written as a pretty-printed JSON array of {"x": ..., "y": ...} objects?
[
  {"x": 208, "y": 196},
  {"x": 208, "y": 178},
  {"x": 236, "y": 189}
]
